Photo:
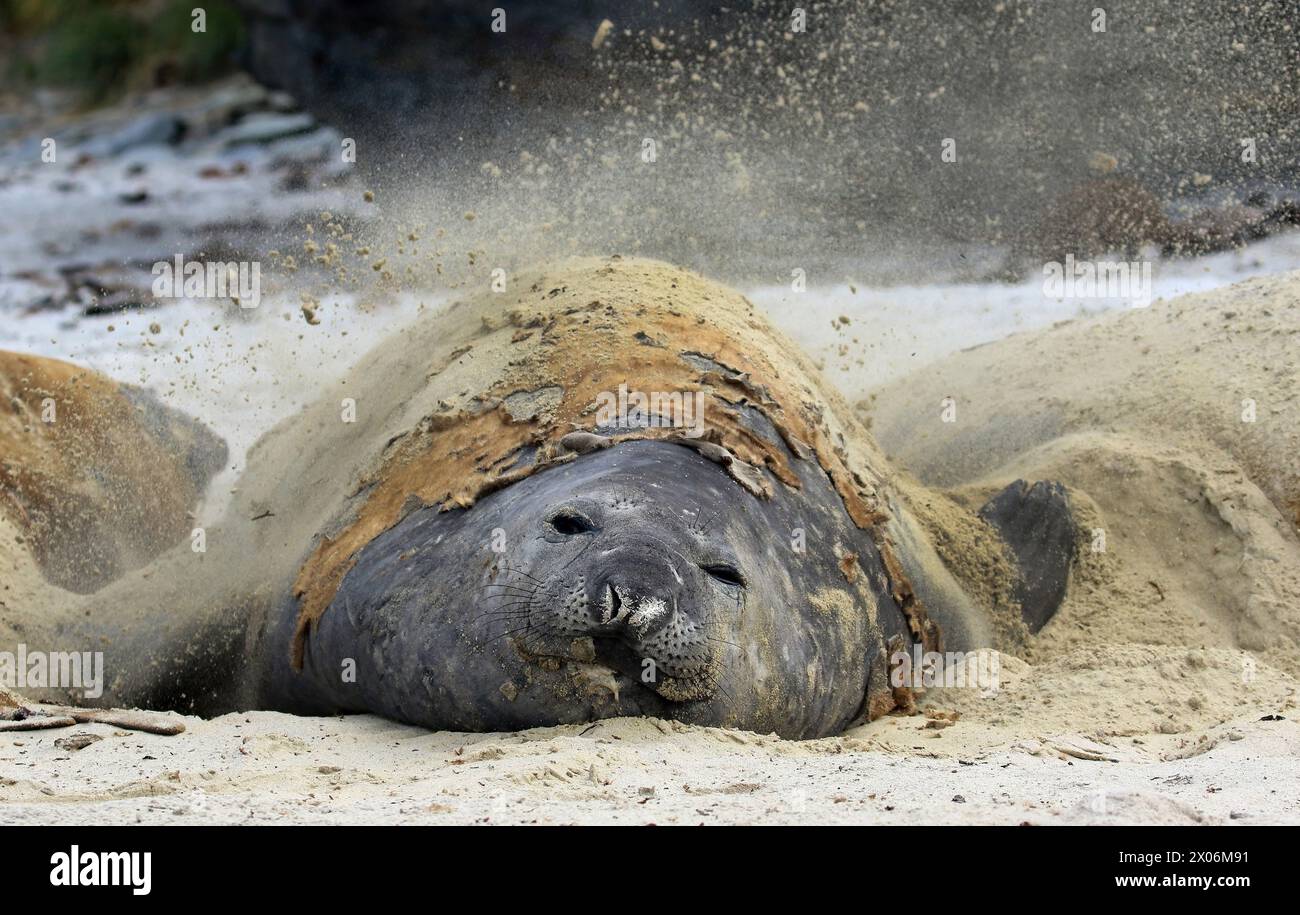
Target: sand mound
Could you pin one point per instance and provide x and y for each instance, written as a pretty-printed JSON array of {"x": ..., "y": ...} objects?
[
  {"x": 1218, "y": 373},
  {"x": 1106, "y": 702},
  {"x": 1177, "y": 429},
  {"x": 99, "y": 477}
]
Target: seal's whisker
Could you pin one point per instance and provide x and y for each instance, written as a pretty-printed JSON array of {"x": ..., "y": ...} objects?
[
  {"x": 506, "y": 613},
  {"x": 520, "y": 607},
  {"x": 507, "y": 609},
  {"x": 515, "y": 606},
  {"x": 499, "y": 636},
  {"x": 510, "y": 595},
  {"x": 521, "y": 572},
  {"x": 507, "y": 595},
  {"x": 713, "y": 681},
  {"x": 508, "y": 589}
]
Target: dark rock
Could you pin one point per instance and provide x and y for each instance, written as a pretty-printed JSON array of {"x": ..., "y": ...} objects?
[
  {"x": 163, "y": 129},
  {"x": 1216, "y": 229},
  {"x": 1098, "y": 217},
  {"x": 379, "y": 67}
]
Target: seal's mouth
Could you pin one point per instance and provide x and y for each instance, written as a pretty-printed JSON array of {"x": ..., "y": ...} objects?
[
  {"x": 672, "y": 682},
  {"x": 615, "y": 653}
]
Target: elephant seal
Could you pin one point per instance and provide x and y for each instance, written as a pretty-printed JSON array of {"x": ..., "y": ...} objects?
[
  {"x": 617, "y": 491},
  {"x": 99, "y": 477}
]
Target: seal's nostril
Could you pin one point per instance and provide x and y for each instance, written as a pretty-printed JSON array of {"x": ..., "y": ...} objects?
[{"x": 610, "y": 604}]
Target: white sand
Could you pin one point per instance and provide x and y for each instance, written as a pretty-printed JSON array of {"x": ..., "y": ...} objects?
[{"x": 271, "y": 768}]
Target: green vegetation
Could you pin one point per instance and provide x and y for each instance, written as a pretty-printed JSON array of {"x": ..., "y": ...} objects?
[
  {"x": 101, "y": 47},
  {"x": 198, "y": 56}
]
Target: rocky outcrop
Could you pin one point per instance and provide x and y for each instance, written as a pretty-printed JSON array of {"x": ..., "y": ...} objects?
[{"x": 371, "y": 67}]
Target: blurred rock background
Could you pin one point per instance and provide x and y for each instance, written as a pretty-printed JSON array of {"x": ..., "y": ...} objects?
[
  {"x": 831, "y": 138},
  {"x": 815, "y": 142}
]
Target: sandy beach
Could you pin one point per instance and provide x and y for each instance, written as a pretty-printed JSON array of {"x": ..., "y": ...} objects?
[{"x": 265, "y": 768}]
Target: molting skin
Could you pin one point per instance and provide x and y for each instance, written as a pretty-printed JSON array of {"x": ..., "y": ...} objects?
[{"x": 637, "y": 580}]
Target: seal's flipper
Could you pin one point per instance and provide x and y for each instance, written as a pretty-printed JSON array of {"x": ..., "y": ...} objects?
[{"x": 1035, "y": 522}]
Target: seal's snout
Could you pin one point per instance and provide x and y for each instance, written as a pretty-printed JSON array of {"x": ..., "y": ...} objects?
[
  {"x": 635, "y": 592},
  {"x": 629, "y": 579},
  {"x": 640, "y": 614}
]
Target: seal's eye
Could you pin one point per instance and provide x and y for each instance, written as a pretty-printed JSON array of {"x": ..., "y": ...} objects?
[
  {"x": 570, "y": 523},
  {"x": 727, "y": 574}
]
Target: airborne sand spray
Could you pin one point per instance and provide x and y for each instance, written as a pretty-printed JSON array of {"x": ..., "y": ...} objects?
[{"x": 737, "y": 142}]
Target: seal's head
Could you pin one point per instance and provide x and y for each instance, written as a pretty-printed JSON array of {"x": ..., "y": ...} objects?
[
  {"x": 627, "y": 564},
  {"x": 640, "y": 579}
]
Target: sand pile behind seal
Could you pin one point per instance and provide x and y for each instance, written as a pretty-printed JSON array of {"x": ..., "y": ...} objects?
[{"x": 1177, "y": 429}]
